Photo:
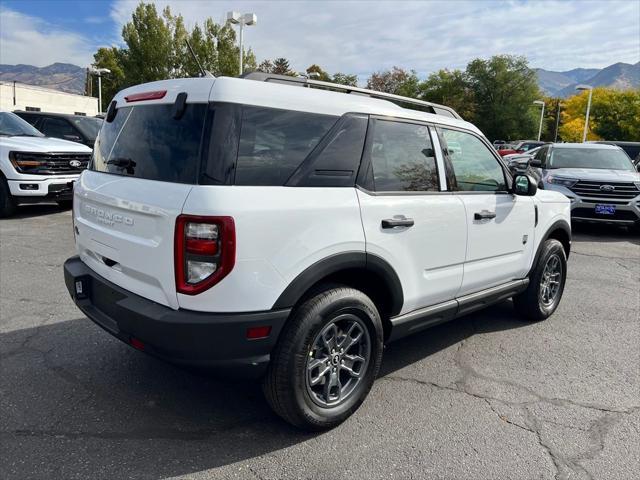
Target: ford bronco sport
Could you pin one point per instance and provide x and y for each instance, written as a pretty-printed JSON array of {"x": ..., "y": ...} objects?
[{"x": 285, "y": 229}]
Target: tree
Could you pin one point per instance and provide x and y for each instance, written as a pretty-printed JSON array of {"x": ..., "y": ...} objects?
[
  {"x": 320, "y": 74},
  {"x": 156, "y": 49},
  {"x": 572, "y": 114},
  {"x": 449, "y": 88},
  {"x": 616, "y": 114},
  {"x": 113, "y": 82},
  {"x": 281, "y": 67},
  {"x": 397, "y": 81},
  {"x": 504, "y": 89},
  {"x": 345, "y": 79}
]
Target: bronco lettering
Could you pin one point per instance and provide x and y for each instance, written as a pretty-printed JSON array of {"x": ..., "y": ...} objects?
[{"x": 107, "y": 217}]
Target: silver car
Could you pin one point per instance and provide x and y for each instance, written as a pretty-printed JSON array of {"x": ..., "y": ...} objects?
[{"x": 600, "y": 180}]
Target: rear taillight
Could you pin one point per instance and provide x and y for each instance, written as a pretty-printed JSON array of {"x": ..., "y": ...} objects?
[{"x": 205, "y": 252}]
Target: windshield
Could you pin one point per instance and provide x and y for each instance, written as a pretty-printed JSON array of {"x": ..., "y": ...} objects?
[
  {"x": 89, "y": 126},
  {"x": 12, "y": 125},
  {"x": 601, "y": 158}
]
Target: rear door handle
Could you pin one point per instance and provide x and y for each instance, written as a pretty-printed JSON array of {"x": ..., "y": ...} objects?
[
  {"x": 484, "y": 214},
  {"x": 400, "y": 221}
]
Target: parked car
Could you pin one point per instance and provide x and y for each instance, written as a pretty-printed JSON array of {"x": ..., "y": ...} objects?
[
  {"x": 600, "y": 180},
  {"x": 287, "y": 233},
  {"x": 36, "y": 168},
  {"x": 498, "y": 143},
  {"x": 518, "y": 163},
  {"x": 75, "y": 128},
  {"x": 631, "y": 148},
  {"x": 521, "y": 147}
]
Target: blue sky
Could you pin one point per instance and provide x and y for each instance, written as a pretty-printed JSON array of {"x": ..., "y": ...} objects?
[{"x": 354, "y": 37}]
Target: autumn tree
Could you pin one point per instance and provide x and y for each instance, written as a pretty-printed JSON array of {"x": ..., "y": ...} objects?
[
  {"x": 345, "y": 79},
  {"x": 397, "y": 81}
]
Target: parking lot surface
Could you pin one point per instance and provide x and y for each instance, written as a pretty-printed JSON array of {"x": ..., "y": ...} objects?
[{"x": 484, "y": 397}]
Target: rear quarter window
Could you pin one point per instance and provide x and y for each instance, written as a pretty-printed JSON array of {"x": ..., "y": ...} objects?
[{"x": 273, "y": 143}]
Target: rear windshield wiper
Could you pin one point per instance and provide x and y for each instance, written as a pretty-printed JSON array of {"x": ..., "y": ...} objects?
[{"x": 122, "y": 162}]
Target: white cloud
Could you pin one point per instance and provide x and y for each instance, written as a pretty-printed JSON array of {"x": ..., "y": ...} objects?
[
  {"x": 32, "y": 41},
  {"x": 361, "y": 37}
]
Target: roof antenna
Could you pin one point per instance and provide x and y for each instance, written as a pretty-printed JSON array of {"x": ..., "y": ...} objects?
[{"x": 203, "y": 72}]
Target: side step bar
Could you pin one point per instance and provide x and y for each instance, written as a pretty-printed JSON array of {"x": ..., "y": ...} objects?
[{"x": 412, "y": 322}]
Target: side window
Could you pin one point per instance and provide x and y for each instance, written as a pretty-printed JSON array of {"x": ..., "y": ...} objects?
[
  {"x": 402, "y": 157},
  {"x": 335, "y": 162},
  {"x": 474, "y": 166},
  {"x": 58, "y": 128},
  {"x": 273, "y": 143},
  {"x": 542, "y": 154}
]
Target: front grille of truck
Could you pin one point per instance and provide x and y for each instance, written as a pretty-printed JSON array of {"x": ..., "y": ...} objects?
[
  {"x": 621, "y": 190},
  {"x": 50, "y": 163}
]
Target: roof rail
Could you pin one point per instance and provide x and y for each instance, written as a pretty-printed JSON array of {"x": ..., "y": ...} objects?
[{"x": 307, "y": 82}]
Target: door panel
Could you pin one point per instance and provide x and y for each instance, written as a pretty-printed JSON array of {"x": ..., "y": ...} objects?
[
  {"x": 428, "y": 256},
  {"x": 498, "y": 249}
]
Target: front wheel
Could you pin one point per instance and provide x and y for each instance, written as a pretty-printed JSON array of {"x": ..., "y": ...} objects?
[
  {"x": 7, "y": 203},
  {"x": 546, "y": 283},
  {"x": 326, "y": 360}
]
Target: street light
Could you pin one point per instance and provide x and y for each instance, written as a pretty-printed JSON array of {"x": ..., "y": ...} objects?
[
  {"x": 247, "y": 19},
  {"x": 98, "y": 72},
  {"x": 540, "y": 102},
  {"x": 586, "y": 120}
]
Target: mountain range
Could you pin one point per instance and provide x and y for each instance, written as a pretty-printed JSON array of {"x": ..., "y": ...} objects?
[
  {"x": 621, "y": 76},
  {"x": 71, "y": 78},
  {"x": 59, "y": 76}
]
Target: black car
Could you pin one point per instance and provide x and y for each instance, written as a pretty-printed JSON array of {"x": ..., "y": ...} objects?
[{"x": 76, "y": 128}]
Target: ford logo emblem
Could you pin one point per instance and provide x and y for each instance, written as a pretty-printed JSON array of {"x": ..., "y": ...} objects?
[
  {"x": 607, "y": 188},
  {"x": 75, "y": 163}
]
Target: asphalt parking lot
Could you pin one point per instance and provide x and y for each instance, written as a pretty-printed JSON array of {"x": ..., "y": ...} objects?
[{"x": 484, "y": 397}]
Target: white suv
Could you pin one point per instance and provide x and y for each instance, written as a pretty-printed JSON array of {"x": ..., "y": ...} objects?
[
  {"x": 288, "y": 231},
  {"x": 35, "y": 168}
]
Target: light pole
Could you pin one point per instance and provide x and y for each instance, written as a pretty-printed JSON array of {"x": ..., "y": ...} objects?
[
  {"x": 586, "y": 119},
  {"x": 558, "y": 105},
  {"x": 540, "y": 102},
  {"x": 247, "y": 19},
  {"x": 98, "y": 72}
]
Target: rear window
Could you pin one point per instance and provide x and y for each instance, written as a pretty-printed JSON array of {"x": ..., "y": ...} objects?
[
  {"x": 145, "y": 141},
  {"x": 273, "y": 143}
]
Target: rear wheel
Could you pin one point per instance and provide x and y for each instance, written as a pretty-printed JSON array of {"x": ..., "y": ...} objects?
[
  {"x": 7, "y": 203},
  {"x": 326, "y": 359},
  {"x": 546, "y": 283}
]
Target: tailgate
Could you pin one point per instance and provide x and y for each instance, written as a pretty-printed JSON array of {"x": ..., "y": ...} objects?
[{"x": 125, "y": 231}]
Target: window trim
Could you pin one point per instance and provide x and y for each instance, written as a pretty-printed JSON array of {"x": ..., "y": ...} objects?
[
  {"x": 305, "y": 168},
  {"x": 505, "y": 171},
  {"x": 364, "y": 179}
]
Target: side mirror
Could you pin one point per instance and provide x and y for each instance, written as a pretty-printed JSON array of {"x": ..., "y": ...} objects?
[
  {"x": 534, "y": 162},
  {"x": 524, "y": 185}
]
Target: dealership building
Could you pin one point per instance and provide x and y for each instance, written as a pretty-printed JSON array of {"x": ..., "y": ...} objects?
[{"x": 19, "y": 96}]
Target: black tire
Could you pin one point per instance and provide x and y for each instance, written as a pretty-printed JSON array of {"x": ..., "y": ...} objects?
[
  {"x": 7, "y": 203},
  {"x": 287, "y": 386},
  {"x": 530, "y": 304},
  {"x": 65, "y": 204}
]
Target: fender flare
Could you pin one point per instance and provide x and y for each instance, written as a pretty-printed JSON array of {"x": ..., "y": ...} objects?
[
  {"x": 339, "y": 262},
  {"x": 557, "y": 225}
]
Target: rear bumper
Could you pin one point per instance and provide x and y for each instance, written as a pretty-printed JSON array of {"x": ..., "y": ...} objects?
[{"x": 211, "y": 340}]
